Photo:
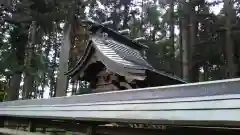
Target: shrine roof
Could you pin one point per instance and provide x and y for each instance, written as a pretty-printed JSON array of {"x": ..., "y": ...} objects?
[
  {"x": 119, "y": 58},
  {"x": 118, "y": 53}
]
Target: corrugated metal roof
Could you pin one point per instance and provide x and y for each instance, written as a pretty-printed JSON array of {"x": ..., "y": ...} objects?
[
  {"x": 114, "y": 58},
  {"x": 120, "y": 53},
  {"x": 118, "y": 58},
  {"x": 130, "y": 59}
]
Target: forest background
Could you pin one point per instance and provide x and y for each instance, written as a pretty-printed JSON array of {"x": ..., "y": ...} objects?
[{"x": 196, "y": 40}]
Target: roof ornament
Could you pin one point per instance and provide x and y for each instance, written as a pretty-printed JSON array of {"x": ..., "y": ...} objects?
[
  {"x": 139, "y": 38},
  {"x": 88, "y": 20},
  {"x": 125, "y": 31},
  {"x": 107, "y": 23},
  {"x": 91, "y": 22}
]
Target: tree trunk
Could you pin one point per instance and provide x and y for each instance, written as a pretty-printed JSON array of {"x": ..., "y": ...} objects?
[
  {"x": 28, "y": 86},
  {"x": 41, "y": 92},
  {"x": 29, "y": 78},
  {"x": 184, "y": 39},
  {"x": 15, "y": 79},
  {"x": 115, "y": 17},
  {"x": 62, "y": 81},
  {"x": 180, "y": 50},
  {"x": 52, "y": 84},
  {"x": 180, "y": 59},
  {"x": 53, "y": 68},
  {"x": 63, "y": 64},
  {"x": 74, "y": 87},
  {"x": 185, "y": 51},
  {"x": 231, "y": 67},
  {"x": 205, "y": 69},
  {"x": 126, "y": 14},
  {"x": 44, "y": 77},
  {"x": 171, "y": 27},
  {"x": 193, "y": 63},
  {"x": 14, "y": 86}
]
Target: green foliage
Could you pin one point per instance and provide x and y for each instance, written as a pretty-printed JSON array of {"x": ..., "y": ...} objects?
[
  {"x": 152, "y": 23},
  {"x": 3, "y": 90}
]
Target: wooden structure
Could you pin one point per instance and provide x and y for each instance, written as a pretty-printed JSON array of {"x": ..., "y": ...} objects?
[{"x": 111, "y": 61}]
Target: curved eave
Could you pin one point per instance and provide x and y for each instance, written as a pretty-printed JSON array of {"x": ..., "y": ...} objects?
[
  {"x": 116, "y": 57},
  {"x": 84, "y": 59},
  {"x": 121, "y": 68},
  {"x": 121, "y": 53},
  {"x": 159, "y": 78}
]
